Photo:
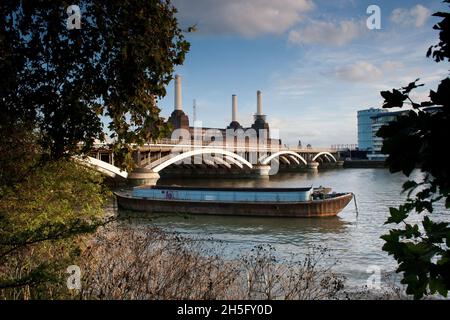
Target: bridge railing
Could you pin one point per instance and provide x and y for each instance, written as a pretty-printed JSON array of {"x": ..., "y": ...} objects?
[{"x": 239, "y": 145}]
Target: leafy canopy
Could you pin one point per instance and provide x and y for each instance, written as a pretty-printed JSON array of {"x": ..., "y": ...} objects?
[
  {"x": 419, "y": 139},
  {"x": 64, "y": 82},
  {"x": 56, "y": 88}
]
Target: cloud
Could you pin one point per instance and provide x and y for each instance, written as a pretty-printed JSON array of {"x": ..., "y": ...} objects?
[
  {"x": 294, "y": 85},
  {"x": 391, "y": 65},
  {"x": 416, "y": 16},
  {"x": 420, "y": 96},
  {"x": 319, "y": 131},
  {"x": 248, "y": 18},
  {"x": 368, "y": 72},
  {"x": 328, "y": 33},
  {"x": 360, "y": 71}
]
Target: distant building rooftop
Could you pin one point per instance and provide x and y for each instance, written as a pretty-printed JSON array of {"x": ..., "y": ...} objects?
[
  {"x": 432, "y": 109},
  {"x": 390, "y": 114},
  {"x": 371, "y": 110}
]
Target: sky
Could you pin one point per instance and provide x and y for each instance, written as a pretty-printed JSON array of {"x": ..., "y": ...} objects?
[{"x": 315, "y": 61}]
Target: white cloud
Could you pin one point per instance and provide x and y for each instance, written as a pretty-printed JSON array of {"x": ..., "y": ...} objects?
[
  {"x": 295, "y": 85},
  {"x": 248, "y": 18},
  {"x": 392, "y": 65},
  {"x": 416, "y": 16},
  {"x": 328, "y": 33},
  {"x": 360, "y": 71},
  {"x": 319, "y": 131},
  {"x": 420, "y": 96}
]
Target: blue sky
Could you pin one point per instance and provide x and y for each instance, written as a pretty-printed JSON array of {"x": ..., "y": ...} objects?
[{"x": 315, "y": 61}]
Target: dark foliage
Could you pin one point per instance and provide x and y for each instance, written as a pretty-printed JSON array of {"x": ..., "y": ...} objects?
[
  {"x": 418, "y": 140},
  {"x": 56, "y": 87},
  {"x": 61, "y": 82}
]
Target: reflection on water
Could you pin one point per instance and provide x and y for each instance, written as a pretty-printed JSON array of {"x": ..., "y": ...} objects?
[
  {"x": 232, "y": 228},
  {"x": 355, "y": 241}
]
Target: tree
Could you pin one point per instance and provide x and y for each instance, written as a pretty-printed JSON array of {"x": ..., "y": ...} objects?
[
  {"x": 56, "y": 87},
  {"x": 63, "y": 81},
  {"x": 418, "y": 140},
  {"x": 41, "y": 222}
]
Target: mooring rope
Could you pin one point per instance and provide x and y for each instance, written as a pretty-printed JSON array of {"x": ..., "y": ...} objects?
[{"x": 356, "y": 205}]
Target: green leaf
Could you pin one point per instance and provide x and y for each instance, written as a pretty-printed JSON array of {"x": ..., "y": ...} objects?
[
  {"x": 393, "y": 99},
  {"x": 409, "y": 185},
  {"x": 412, "y": 231},
  {"x": 411, "y": 86},
  {"x": 397, "y": 216}
]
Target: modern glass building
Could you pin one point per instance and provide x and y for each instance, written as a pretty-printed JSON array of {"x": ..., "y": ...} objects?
[
  {"x": 378, "y": 121},
  {"x": 365, "y": 133},
  {"x": 370, "y": 121}
]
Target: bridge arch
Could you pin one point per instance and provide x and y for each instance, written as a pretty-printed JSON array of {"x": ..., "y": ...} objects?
[
  {"x": 221, "y": 162},
  {"x": 292, "y": 158},
  {"x": 234, "y": 161},
  {"x": 102, "y": 167},
  {"x": 326, "y": 154},
  {"x": 267, "y": 160},
  {"x": 171, "y": 158}
]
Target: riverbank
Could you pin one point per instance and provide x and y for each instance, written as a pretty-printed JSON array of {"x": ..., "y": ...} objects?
[
  {"x": 365, "y": 164},
  {"x": 125, "y": 262}
]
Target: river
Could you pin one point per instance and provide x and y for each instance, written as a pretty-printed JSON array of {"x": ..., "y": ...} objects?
[{"x": 352, "y": 239}]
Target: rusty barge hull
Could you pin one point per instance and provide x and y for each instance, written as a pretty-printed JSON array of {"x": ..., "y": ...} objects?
[{"x": 305, "y": 209}]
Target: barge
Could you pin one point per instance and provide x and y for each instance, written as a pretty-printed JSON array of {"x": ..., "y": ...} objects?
[{"x": 262, "y": 202}]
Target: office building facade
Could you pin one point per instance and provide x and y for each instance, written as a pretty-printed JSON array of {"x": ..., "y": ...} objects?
[
  {"x": 365, "y": 133},
  {"x": 369, "y": 122}
]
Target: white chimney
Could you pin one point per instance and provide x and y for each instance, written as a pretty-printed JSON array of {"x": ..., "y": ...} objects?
[
  {"x": 234, "y": 108},
  {"x": 259, "y": 103},
  {"x": 178, "y": 98}
]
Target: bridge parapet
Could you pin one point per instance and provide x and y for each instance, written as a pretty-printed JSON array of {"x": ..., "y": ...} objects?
[
  {"x": 151, "y": 158},
  {"x": 175, "y": 145},
  {"x": 103, "y": 167}
]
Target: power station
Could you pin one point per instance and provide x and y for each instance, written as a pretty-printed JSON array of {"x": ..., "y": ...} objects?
[{"x": 179, "y": 120}]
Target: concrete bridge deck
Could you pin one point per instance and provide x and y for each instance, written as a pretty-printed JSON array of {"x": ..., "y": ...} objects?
[{"x": 200, "y": 157}]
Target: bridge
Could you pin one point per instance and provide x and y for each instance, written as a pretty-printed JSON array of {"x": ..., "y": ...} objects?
[
  {"x": 199, "y": 158},
  {"x": 235, "y": 151}
]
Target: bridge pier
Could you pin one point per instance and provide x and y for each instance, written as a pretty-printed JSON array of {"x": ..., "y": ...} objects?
[
  {"x": 261, "y": 171},
  {"x": 312, "y": 166},
  {"x": 143, "y": 176}
]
